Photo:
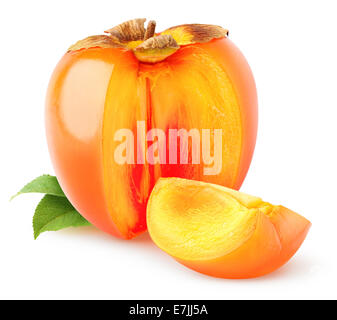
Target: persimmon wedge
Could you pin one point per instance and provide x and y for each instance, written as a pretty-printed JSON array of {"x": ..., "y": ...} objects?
[{"x": 222, "y": 232}]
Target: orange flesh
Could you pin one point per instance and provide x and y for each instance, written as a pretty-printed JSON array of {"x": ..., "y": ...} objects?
[
  {"x": 220, "y": 231},
  {"x": 146, "y": 93},
  {"x": 95, "y": 92}
]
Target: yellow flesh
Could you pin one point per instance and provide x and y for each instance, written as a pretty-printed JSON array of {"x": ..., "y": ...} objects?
[{"x": 192, "y": 220}]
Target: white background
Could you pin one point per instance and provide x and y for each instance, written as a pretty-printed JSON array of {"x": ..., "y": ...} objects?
[{"x": 292, "y": 49}]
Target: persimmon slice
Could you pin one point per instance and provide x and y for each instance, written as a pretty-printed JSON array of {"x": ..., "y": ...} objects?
[{"x": 222, "y": 232}]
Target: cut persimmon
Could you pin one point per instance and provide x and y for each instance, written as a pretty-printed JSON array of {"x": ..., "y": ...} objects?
[
  {"x": 114, "y": 100},
  {"x": 222, "y": 232}
]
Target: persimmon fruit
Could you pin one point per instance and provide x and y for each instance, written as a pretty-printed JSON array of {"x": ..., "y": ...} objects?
[
  {"x": 187, "y": 77},
  {"x": 220, "y": 231}
]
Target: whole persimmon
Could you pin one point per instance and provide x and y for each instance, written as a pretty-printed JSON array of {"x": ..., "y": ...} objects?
[{"x": 129, "y": 107}]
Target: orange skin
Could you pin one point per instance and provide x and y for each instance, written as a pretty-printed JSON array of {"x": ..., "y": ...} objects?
[
  {"x": 86, "y": 89},
  {"x": 273, "y": 243}
]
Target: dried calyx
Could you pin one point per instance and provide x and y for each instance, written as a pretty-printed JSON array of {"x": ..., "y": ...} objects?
[{"x": 146, "y": 44}]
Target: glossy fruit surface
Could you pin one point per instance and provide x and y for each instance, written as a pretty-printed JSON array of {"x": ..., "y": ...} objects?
[
  {"x": 99, "y": 89},
  {"x": 222, "y": 232}
]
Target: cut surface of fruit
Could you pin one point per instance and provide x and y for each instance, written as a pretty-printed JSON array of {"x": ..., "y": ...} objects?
[
  {"x": 143, "y": 96},
  {"x": 199, "y": 223},
  {"x": 222, "y": 232}
]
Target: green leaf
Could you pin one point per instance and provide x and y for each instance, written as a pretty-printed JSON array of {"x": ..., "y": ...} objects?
[
  {"x": 54, "y": 213},
  {"x": 43, "y": 184}
]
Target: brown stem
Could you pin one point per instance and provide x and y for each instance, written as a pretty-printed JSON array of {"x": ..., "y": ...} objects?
[{"x": 149, "y": 33}]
